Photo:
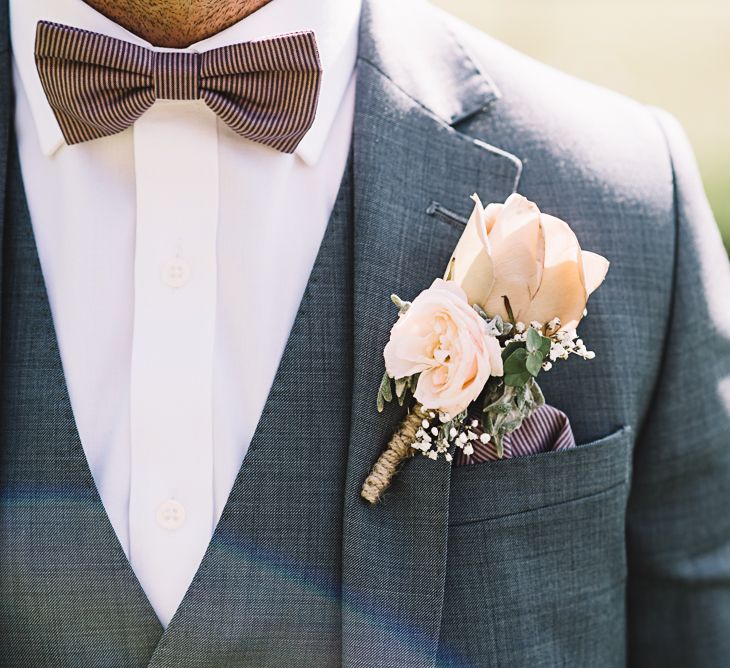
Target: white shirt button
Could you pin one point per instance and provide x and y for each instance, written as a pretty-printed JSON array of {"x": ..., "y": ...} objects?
[
  {"x": 171, "y": 515},
  {"x": 176, "y": 273}
]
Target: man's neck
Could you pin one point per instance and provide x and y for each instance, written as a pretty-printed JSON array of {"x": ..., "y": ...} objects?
[{"x": 176, "y": 23}]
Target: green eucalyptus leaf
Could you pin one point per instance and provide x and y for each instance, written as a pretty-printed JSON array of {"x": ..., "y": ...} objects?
[
  {"x": 508, "y": 426},
  {"x": 536, "y": 342},
  {"x": 502, "y": 399},
  {"x": 401, "y": 384},
  {"x": 517, "y": 379},
  {"x": 403, "y": 306},
  {"x": 385, "y": 388},
  {"x": 496, "y": 326},
  {"x": 533, "y": 363},
  {"x": 523, "y": 399},
  {"x": 482, "y": 313},
  {"x": 510, "y": 348},
  {"x": 499, "y": 445},
  {"x": 530, "y": 403},
  {"x": 537, "y": 395},
  {"x": 492, "y": 390},
  {"x": 533, "y": 340},
  {"x": 515, "y": 363},
  {"x": 502, "y": 408},
  {"x": 505, "y": 412}
]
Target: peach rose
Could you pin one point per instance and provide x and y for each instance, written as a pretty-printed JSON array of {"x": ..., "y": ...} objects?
[
  {"x": 513, "y": 250},
  {"x": 444, "y": 339}
]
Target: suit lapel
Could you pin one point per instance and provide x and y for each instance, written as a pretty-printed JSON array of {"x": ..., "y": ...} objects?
[{"x": 413, "y": 83}]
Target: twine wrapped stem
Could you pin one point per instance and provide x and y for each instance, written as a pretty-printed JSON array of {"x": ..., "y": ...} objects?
[{"x": 399, "y": 449}]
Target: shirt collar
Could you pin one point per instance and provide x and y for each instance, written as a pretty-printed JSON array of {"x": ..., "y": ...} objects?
[{"x": 334, "y": 22}]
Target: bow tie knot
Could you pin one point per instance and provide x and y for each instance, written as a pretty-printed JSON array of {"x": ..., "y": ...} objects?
[
  {"x": 97, "y": 86},
  {"x": 177, "y": 76}
]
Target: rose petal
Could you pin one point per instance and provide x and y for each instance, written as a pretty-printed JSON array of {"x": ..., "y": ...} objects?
[
  {"x": 495, "y": 357},
  {"x": 490, "y": 215},
  {"x": 400, "y": 363},
  {"x": 518, "y": 250},
  {"x": 471, "y": 263},
  {"x": 450, "y": 286},
  {"x": 595, "y": 268},
  {"x": 562, "y": 293}
]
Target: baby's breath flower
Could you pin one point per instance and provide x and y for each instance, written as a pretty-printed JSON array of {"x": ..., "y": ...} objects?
[
  {"x": 564, "y": 344},
  {"x": 557, "y": 351}
]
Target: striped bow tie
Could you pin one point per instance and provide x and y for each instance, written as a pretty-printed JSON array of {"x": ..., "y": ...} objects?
[{"x": 98, "y": 86}]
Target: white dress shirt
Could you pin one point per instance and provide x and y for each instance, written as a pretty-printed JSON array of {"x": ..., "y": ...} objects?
[{"x": 175, "y": 255}]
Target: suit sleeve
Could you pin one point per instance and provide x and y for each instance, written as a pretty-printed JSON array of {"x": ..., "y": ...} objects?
[{"x": 678, "y": 522}]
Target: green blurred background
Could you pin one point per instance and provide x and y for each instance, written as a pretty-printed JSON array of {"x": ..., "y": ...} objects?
[{"x": 673, "y": 54}]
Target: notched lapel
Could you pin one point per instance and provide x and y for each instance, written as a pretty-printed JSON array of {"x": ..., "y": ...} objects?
[{"x": 405, "y": 158}]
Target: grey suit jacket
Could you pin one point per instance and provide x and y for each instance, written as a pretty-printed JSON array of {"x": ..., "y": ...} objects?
[{"x": 614, "y": 553}]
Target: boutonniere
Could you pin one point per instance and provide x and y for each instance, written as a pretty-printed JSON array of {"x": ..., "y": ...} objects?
[{"x": 465, "y": 355}]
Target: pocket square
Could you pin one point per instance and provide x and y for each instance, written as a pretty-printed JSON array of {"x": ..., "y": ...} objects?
[{"x": 546, "y": 430}]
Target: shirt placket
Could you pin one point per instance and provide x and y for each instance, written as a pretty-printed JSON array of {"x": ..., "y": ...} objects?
[{"x": 171, "y": 512}]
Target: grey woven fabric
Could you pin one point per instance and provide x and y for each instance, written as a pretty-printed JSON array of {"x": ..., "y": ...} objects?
[{"x": 614, "y": 553}]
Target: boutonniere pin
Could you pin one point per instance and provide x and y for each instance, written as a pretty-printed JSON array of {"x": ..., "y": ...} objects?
[{"x": 465, "y": 355}]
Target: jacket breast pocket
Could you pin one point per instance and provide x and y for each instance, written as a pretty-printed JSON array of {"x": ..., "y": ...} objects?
[
  {"x": 536, "y": 559},
  {"x": 493, "y": 489}
]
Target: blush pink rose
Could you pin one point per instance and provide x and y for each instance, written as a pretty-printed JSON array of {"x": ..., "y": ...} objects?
[
  {"x": 445, "y": 340},
  {"x": 513, "y": 250}
]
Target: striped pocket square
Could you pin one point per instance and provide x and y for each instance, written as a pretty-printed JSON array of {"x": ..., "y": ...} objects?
[{"x": 546, "y": 430}]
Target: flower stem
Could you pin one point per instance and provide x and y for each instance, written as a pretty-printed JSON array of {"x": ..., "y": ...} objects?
[
  {"x": 398, "y": 450},
  {"x": 508, "y": 308}
]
